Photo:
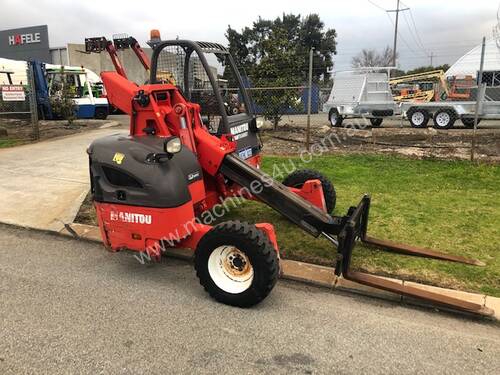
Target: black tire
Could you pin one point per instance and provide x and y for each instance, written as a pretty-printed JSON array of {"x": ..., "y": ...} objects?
[
  {"x": 418, "y": 117},
  {"x": 296, "y": 179},
  {"x": 335, "y": 118},
  {"x": 469, "y": 122},
  {"x": 444, "y": 118},
  {"x": 101, "y": 113},
  {"x": 376, "y": 122},
  {"x": 260, "y": 253}
]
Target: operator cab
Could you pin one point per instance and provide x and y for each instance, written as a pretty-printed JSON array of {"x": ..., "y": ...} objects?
[{"x": 206, "y": 75}]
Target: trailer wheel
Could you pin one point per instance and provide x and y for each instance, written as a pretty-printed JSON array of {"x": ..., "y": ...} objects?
[
  {"x": 236, "y": 264},
  {"x": 469, "y": 122},
  {"x": 418, "y": 117},
  {"x": 444, "y": 118},
  {"x": 296, "y": 179},
  {"x": 335, "y": 118},
  {"x": 376, "y": 122}
]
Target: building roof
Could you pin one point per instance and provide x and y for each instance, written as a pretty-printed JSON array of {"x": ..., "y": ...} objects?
[{"x": 469, "y": 63}]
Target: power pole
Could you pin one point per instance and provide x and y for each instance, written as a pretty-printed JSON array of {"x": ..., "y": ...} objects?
[
  {"x": 397, "y": 10},
  {"x": 432, "y": 58}
]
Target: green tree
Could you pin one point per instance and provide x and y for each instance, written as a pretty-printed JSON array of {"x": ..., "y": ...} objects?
[
  {"x": 279, "y": 67},
  {"x": 62, "y": 96},
  {"x": 275, "y": 53},
  {"x": 429, "y": 68}
]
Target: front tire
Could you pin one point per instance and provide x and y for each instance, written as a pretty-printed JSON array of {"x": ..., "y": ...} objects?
[
  {"x": 376, "y": 122},
  {"x": 298, "y": 178},
  {"x": 236, "y": 264},
  {"x": 335, "y": 118}
]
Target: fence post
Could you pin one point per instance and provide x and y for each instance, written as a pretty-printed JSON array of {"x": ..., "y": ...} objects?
[
  {"x": 33, "y": 103},
  {"x": 478, "y": 100},
  {"x": 309, "y": 99}
]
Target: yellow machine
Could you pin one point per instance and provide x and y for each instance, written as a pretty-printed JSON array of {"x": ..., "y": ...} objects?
[{"x": 430, "y": 86}]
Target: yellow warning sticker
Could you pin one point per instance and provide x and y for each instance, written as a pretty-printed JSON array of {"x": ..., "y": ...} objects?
[{"x": 118, "y": 158}]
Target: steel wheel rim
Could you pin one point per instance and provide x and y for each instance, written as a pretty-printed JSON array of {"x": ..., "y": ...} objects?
[
  {"x": 230, "y": 269},
  {"x": 333, "y": 119},
  {"x": 417, "y": 118},
  {"x": 442, "y": 119}
]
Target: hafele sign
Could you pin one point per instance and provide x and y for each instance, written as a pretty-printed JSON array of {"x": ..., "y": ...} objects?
[
  {"x": 13, "y": 93},
  {"x": 20, "y": 39}
]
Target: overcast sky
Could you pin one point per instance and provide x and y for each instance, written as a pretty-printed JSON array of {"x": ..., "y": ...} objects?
[{"x": 447, "y": 29}]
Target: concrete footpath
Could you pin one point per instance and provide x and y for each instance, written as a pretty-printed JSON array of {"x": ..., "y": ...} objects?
[{"x": 43, "y": 184}]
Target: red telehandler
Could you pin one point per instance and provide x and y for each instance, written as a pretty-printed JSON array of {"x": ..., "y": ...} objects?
[{"x": 153, "y": 189}]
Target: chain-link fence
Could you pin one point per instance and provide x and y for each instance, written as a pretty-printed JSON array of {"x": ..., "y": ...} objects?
[
  {"x": 18, "y": 108},
  {"x": 446, "y": 105}
]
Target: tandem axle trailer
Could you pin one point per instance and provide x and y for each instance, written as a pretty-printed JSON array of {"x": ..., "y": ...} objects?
[{"x": 366, "y": 94}]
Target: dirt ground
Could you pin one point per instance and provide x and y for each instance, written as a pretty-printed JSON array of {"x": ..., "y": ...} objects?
[
  {"x": 87, "y": 214},
  {"x": 20, "y": 131},
  {"x": 290, "y": 139}
]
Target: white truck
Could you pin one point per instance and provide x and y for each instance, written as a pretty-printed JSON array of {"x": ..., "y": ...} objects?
[
  {"x": 366, "y": 93},
  {"x": 87, "y": 94}
]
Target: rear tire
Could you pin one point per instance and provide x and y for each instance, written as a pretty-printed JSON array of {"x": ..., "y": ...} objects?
[
  {"x": 335, "y": 118},
  {"x": 469, "y": 122},
  {"x": 376, "y": 122},
  {"x": 444, "y": 118},
  {"x": 236, "y": 264},
  {"x": 418, "y": 117},
  {"x": 296, "y": 179}
]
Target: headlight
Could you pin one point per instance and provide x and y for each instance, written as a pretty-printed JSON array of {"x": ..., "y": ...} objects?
[
  {"x": 173, "y": 145},
  {"x": 260, "y": 123}
]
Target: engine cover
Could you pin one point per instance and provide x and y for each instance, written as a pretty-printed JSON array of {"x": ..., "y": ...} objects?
[{"x": 122, "y": 172}]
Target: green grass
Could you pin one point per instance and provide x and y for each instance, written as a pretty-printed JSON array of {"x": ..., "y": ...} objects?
[
  {"x": 452, "y": 206},
  {"x": 9, "y": 142}
]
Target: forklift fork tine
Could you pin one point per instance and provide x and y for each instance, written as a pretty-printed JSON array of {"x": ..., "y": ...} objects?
[
  {"x": 409, "y": 291},
  {"x": 390, "y": 246}
]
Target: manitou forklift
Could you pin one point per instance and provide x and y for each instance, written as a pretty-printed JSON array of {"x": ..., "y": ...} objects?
[{"x": 153, "y": 189}]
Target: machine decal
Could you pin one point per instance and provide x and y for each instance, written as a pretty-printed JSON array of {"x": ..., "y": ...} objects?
[
  {"x": 239, "y": 131},
  {"x": 193, "y": 175},
  {"x": 246, "y": 153},
  {"x": 118, "y": 158},
  {"x": 130, "y": 217}
]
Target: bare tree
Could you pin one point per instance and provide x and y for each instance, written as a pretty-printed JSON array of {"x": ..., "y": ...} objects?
[{"x": 372, "y": 58}]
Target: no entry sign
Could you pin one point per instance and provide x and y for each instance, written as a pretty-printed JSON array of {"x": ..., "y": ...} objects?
[{"x": 13, "y": 93}]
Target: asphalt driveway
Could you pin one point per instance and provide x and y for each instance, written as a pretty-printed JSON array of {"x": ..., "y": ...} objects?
[{"x": 68, "y": 306}]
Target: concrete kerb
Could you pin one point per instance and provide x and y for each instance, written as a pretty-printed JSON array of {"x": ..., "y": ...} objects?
[{"x": 319, "y": 276}]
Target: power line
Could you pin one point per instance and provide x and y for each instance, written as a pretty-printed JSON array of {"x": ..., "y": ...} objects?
[
  {"x": 415, "y": 26},
  {"x": 396, "y": 33},
  {"x": 414, "y": 35},
  {"x": 376, "y": 5},
  {"x": 403, "y": 39}
]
